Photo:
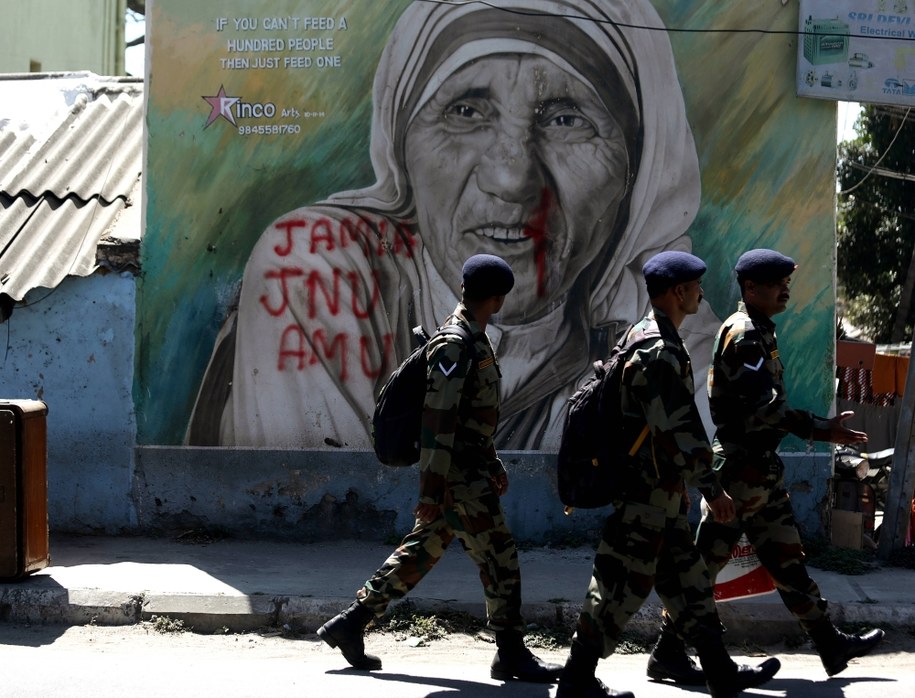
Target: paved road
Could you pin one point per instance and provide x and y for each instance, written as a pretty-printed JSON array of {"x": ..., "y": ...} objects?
[{"x": 137, "y": 661}]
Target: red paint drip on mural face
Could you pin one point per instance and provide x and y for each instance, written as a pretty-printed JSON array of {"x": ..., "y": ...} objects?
[{"x": 536, "y": 229}]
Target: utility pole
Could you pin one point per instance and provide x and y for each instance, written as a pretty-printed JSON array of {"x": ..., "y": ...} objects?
[{"x": 898, "y": 511}]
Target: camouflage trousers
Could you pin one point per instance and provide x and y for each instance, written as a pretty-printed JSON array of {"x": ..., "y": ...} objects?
[
  {"x": 645, "y": 547},
  {"x": 480, "y": 526},
  {"x": 764, "y": 513}
]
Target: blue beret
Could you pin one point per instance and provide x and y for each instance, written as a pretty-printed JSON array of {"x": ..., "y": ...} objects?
[
  {"x": 486, "y": 275},
  {"x": 670, "y": 268},
  {"x": 764, "y": 265}
]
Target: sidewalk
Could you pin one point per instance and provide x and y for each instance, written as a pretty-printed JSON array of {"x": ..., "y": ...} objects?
[{"x": 245, "y": 585}]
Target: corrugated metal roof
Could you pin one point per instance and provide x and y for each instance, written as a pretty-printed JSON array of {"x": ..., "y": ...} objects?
[{"x": 71, "y": 158}]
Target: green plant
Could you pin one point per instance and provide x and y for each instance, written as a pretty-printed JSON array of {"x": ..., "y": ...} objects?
[
  {"x": 844, "y": 561},
  {"x": 411, "y": 624},
  {"x": 404, "y": 620},
  {"x": 632, "y": 644},
  {"x": 547, "y": 638},
  {"x": 815, "y": 545},
  {"x": 134, "y": 606},
  {"x": 825, "y": 556},
  {"x": 164, "y": 624}
]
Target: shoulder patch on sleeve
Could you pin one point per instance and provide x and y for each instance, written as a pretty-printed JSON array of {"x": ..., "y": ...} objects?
[
  {"x": 756, "y": 366},
  {"x": 446, "y": 367},
  {"x": 751, "y": 354},
  {"x": 445, "y": 355}
]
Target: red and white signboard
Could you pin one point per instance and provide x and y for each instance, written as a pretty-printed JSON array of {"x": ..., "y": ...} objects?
[{"x": 744, "y": 575}]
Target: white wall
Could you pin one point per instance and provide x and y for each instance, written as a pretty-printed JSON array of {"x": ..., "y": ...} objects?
[{"x": 62, "y": 35}]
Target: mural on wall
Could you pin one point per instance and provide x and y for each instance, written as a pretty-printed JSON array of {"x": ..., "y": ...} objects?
[{"x": 317, "y": 179}]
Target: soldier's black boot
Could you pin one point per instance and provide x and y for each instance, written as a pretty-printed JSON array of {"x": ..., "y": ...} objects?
[
  {"x": 724, "y": 678},
  {"x": 836, "y": 648},
  {"x": 669, "y": 661},
  {"x": 345, "y": 632},
  {"x": 577, "y": 679},
  {"x": 515, "y": 662}
]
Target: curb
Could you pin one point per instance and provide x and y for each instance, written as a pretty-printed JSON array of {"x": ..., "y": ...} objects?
[{"x": 760, "y": 623}]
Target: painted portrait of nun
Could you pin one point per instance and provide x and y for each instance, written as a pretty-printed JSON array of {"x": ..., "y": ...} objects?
[{"x": 544, "y": 132}]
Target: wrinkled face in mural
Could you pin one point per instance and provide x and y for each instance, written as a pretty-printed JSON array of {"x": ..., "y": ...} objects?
[{"x": 516, "y": 157}]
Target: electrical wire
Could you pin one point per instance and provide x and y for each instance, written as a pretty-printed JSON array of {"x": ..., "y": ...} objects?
[
  {"x": 876, "y": 165},
  {"x": 681, "y": 30},
  {"x": 880, "y": 208}
]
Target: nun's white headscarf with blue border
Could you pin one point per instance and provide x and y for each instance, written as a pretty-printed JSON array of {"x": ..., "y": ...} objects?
[{"x": 433, "y": 40}]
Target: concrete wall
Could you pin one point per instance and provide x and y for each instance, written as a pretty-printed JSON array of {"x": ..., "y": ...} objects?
[
  {"x": 331, "y": 494},
  {"x": 808, "y": 478},
  {"x": 74, "y": 348},
  {"x": 321, "y": 495}
]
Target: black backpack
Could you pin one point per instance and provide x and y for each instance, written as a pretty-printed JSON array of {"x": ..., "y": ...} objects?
[
  {"x": 592, "y": 450},
  {"x": 397, "y": 420}
]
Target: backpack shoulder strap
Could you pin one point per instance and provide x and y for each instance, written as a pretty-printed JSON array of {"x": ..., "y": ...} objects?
[
  {"x": 634, "y": 336},
  {"x": 632, "y": 339},
  {"x": 421, "y": 336},
  {"x": 457, "y": 331}
]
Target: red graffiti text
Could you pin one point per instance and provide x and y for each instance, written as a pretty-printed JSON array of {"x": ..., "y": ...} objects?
[
  {"x": 328, "y": 234},
  {"x": 299, "y": 350},
  {"x": 321, "y": 291}
]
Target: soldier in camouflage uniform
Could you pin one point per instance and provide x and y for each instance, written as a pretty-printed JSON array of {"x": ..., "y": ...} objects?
[
  {"x": 461, "y": 480},
  {"x": 646, "y": 541},
  {"x": 750, "y": 410}
]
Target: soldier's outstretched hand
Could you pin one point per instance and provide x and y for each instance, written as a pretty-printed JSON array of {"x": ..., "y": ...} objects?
[{"x": 840, "y": 434}]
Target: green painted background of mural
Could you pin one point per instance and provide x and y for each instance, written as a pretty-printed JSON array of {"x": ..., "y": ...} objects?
[{"x": 767, "y": 161}]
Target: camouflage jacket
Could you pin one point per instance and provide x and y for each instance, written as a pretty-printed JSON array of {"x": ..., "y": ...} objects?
[
  {"x": 657, "y": 388},
  {"x": 747, "y": 390},
  {"x": 457, "y": 457}
]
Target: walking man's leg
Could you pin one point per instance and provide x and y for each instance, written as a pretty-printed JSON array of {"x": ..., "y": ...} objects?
[
  {"x": 781, "y": 552},
  {"x": 481, "y": 528},
  {"x": 407, "y": 565},
  {"x": 684, "y": 585}
]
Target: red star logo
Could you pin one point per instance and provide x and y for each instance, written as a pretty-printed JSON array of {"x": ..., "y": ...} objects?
[{"x": 221, "y": 106}]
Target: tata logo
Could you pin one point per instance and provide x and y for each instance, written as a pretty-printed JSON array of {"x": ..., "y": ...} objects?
[{"x": 232, "y": 108}]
